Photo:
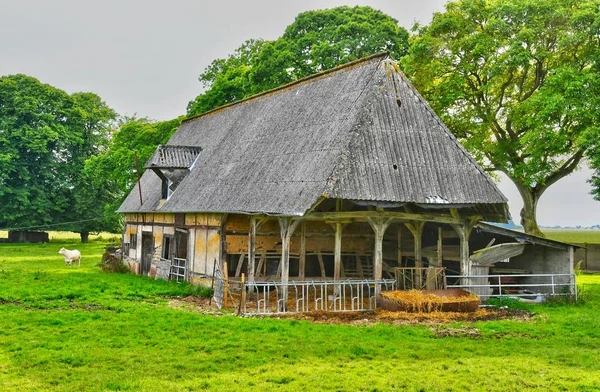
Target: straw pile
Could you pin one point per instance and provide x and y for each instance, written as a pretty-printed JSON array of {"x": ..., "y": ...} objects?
[{"x": 418, "y": 301}]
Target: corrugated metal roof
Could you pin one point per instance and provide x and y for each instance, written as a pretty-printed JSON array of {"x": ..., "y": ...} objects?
[
  {"x": 177, "y": 157},
  {"x": 341, "y": 133}
]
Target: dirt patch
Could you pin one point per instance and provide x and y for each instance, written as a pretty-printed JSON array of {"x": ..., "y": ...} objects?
[
  {"x": 196, "y": 305},
  {"x": 464, "y": 332},
  {"x": 408, "y": 318}
]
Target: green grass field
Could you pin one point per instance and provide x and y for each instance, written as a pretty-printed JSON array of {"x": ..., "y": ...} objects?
[
  {"x": 62, "y": 236},
  {"x": 575, "y": 236},
  {"x": 70, "y": 329}
]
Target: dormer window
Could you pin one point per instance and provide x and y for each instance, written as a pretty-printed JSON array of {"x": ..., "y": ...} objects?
[
  {"x": 172, "y": 164},
  {"x": 166, "y": 189}
]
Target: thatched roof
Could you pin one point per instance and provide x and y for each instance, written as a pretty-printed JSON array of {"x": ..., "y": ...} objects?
[{"x": 359, "y": 132}]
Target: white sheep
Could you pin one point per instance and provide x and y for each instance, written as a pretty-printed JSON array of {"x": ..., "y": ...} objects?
[{"x": 71, "y": 256}]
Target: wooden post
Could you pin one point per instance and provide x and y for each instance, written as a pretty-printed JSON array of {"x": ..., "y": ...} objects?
[
  {"x": 337, "y": 256},
  {"x": 379, "y": 226},
  {"x": 321, "y": 264},
  {"x": 286, "y": 228},
  {"x": 261, "y": 261},
  {"x": 464, "y": 232},
  {"x": 302, "y": 261},
  {"x": 416, "y": 228},
  {"x": 399, "y": 246},
  {"x": 225, "y": 284},
  {"x": 439, "y": 247},
  {"x": 238, "y": 270},
  {"x": 251, "y": 249}
]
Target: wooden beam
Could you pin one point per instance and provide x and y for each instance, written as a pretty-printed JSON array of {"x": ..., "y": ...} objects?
[
  {"x": 359, "y": 266},
  {"x": 464, "y": 232},
  {"x": 337, "y": 255},
  {"x": 251, "y": 249},
  {"x": 364, "y": 216},
  {"x": 263, "y": 257},
  {"x": 399, "y": 247},
  {"x": 379, "y": 226},
  {"x": 321, "y": 264},
  {"x": 302, "y": 261},
  {"x": 238, "y": 270},
  {"x": 439, "y": 247},
  {"x": 416, "y": 228},
  {"x": 287, "y": 226}
]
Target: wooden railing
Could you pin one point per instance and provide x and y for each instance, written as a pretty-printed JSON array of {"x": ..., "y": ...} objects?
[{"x": 428, "y": 278}]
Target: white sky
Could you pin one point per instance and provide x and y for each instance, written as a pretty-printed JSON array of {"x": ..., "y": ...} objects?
[{"x": 144, "y": 58}]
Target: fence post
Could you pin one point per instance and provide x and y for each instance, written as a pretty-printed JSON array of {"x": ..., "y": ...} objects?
[
  {"x": 552, "y": 280},
  {"x": 225, "y": 284}
]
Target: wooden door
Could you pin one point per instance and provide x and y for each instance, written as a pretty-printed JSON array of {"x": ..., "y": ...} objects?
[{"x": 147, "y": 251}]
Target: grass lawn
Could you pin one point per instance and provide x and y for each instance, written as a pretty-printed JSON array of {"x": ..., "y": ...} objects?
[
  {"x": 574, "y": 236},
  {"x": 72, "y": 329}
]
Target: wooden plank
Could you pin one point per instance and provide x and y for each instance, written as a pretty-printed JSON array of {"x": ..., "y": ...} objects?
[
  {"x": 302, "y": 260},
  {"x": 251, "y": 249},
  {"x": 238, "y": 270},
  {"x": 416, "y": 229},
  {"x": 359, "y": 266},
  {"x": 399, "y": 247},
  {"x": 439, "y": 247},
  {"x": 497, "y": 253},
  {"x": 259, "y": 272},
  {"x": 321, "y": 264}
]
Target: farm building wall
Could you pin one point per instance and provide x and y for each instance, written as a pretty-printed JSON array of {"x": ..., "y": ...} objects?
[
  {"x": 203, "y": 244},
  {"x": 589, "y": 256},
  {"x": 538, "y": 259}
]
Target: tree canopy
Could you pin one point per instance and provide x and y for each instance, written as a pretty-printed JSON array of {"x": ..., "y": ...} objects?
[
  {"x": 45, "y": 137},
  {"x": 515, "y": 81},
  {"x": 113, "y": 172},
  {"x": 315, "y": 41}
]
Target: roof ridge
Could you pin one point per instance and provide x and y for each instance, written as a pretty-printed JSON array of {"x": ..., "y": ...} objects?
[{"x": 291, "y": 84}]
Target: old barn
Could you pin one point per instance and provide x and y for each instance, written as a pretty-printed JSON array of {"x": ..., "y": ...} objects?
[{"x": 347, "y": 175}]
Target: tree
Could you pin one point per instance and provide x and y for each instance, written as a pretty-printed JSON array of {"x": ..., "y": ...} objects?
[
  {"x": 315, "y": 41},
  {"x": 36, "y": 149},
  {"x": 46, "y": 136},
  {"x": 512, "y": 80},
  {"x": 113, "y": 172},
  {"x": 96, "y": 123}
]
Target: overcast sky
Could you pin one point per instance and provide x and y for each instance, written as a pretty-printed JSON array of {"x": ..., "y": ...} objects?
[{"x": 144, "y": 58}]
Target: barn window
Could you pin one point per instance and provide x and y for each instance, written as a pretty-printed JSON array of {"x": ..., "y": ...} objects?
[
  {"x": 166, "y": 189},
  {"x": 167, "y": 247},
  {"x": 132, "y": 240}
]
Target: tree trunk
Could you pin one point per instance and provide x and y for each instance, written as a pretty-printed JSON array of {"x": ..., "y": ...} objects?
[
  {"x": 529, "y": 211},
  {"x": 85, "y": 236}
]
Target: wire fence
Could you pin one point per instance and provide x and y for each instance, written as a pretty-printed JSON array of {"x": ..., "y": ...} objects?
[
  {"x": 527, "y": 286},
  {"x": 310, "y": 296}
]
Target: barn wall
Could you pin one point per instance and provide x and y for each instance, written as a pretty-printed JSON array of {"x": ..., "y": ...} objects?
[
  {"x": 203, "y": 242},
  {"x": 589, "y": 256},
  {"x": 540, "y": 259}
]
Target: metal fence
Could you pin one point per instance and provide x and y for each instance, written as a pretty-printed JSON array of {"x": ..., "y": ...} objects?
[
  {"x": 309, "y": 296},
  {"x": 525, "y": 286},
  {"x": 178, "y": 269}
]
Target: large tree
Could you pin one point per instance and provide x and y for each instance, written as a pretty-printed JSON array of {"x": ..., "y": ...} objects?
[
  {"x": 315, "y": 41},
  {"x": 95, "y": 126},
  {"x": 36, "y": 149},
  {"x": 514, "y": 81},
  {"x": 46, "y": 135}
]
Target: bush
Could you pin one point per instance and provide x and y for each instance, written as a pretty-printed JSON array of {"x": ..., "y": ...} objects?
[{"x": 112, "y": 262}]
